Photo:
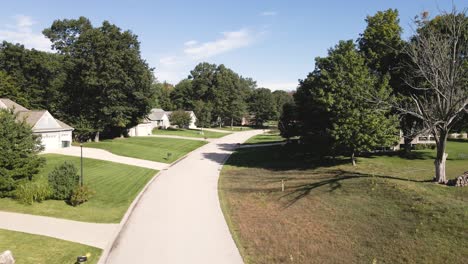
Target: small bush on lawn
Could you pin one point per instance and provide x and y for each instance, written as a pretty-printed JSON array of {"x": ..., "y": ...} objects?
[
  {"x": 81, "y": 194},
  {"x": 30, "y": 192},
  {"x": 424, "y": 146},
  {"x": 63, "y": 180}
]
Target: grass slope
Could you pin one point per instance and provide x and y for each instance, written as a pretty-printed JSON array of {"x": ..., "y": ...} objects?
[
  {"x": 116, "y": 185},
  {"x": 35, "y": 249},
  {"x": 189, "y": 133},
  {"x": 148, "y": 148},
  {"x": 265, "y": 138},
  {"x": 385, "y": 210}
]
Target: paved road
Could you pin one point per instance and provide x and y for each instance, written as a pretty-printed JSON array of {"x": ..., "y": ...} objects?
[
  {"x": 95, "y": 153},
  {"x": 97, "y": 235},
  {"x": 179, "y": 218}
]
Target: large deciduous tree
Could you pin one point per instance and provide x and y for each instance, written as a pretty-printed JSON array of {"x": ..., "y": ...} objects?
[
  {"x": 39, "y": 76},
  {"x": 336, "y": 91},
  {"x": 262, "y": 105},
  {"x": 108, "y": 83}
]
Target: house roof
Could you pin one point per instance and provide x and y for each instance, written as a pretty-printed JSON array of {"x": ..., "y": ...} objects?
[
  {"x": 9, "y": 104},
  {"x": 31, "y": 117},
  {"x": 156, "y": 114}
]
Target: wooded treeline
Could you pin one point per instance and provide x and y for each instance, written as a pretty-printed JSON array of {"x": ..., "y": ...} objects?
[
  {"x": 220, "y": 96},
  {"x": 97, "y": 81}
]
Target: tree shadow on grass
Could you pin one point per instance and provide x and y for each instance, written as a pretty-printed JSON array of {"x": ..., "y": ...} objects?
[{"x": 300, "y": 191}]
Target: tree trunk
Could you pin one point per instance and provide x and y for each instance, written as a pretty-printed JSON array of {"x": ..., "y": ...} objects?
[
  {"x": 407, "y": 145},
  {"x": 232, "y": 123},
  {"x": 96, "y": 137},
  {"x": 439, "y": 162},
  {"x": 353, "y": 159}
]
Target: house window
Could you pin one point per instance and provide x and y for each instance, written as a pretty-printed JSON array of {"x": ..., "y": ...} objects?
[
  {"x": 65, "y": 144},
  {"x": 422, "y": 138}
]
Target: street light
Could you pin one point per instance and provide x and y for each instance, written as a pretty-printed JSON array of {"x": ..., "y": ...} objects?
[{"x": 81, "y": 147}]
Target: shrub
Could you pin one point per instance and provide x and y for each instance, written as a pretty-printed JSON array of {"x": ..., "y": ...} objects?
[
  {"x": 424, "y": 146},
  {"x": 63, "y": 180},
  {"x": 81, "y": 194},
  {"x": 31, "y": 192}
]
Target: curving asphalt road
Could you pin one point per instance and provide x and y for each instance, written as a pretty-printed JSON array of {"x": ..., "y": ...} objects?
[{"x": 179, "y": 218}]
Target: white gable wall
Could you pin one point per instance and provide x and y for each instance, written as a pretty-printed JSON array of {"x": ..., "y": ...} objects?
[
  {"x": 47, "y": 121},
  {"x": 55, "y": 139}
]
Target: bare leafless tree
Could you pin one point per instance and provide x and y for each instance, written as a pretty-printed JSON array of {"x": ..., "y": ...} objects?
[{"x": 438, "y": 78}]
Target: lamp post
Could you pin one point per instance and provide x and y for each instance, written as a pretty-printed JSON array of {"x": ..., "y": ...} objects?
[{"x": 81, "y": 178}]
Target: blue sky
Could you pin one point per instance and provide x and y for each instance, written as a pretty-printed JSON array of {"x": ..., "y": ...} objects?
[{"x": 274, "y": 42}]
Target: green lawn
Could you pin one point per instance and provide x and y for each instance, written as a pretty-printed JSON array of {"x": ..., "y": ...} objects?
[
  {"x": 189, "y": 133},
  {"x": 148, "y": 148},
  {"x": 116, "y": 185},
  {"x": 235, "y": 128},
  {"x": 34, "y": 249},
  {"x": 385, "y": 210},
  {"x": 273, "y": 137}
]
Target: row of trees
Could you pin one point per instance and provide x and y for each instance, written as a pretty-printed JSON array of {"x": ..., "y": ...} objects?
[
  {"x": 218, "y": 95},
  {"x": 96, "y": 81},
  {"x": 361, "y": 94}
]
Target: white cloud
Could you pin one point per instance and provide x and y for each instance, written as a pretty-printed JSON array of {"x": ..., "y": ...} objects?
[
  {"x": 287, "y": 86},
  {"x": 21, "y": 32},
  {"x": 268, "y": 13},
  {"x": 229, "y": 41},
  {"x": 191, "y": 43}
]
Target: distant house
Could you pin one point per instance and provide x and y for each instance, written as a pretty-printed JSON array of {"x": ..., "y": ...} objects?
[
  {"x": 419, "y": 139},
  {"x": 54, "y": 133},
  {"x": 159, "y": 118}
]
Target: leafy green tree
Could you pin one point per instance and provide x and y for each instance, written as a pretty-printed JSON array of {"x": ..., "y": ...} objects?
[
  {"x": 262, "y": 105},
  {"x": 19, "y": 161},
  {"x": 9, "y": 89},
  {"x": 163, "y": 95},
  {"x": 339, "y": 86},
  {"x": 108, "y": 83},
  {"x": 281, "y": 98},
  {"x": 381, "y": 41},
  {"x": 182, "y": 97},
  {"x": 203, "y": 113},
  {"x": 180, "y": 118},
  {"x": 288, "y": 123},
  {"x": 38, "y": 75}
]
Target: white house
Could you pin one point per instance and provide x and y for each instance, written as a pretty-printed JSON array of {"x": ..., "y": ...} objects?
[
  {"x": 159, "y": 118},
  {"x": 145, "y": 128},
  {"x": 53, "y": 132}
]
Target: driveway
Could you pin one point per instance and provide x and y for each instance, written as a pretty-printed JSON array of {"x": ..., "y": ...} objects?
[
  {"x": 93, "y": 234},
  {"x": 100, "y": 154},
  {"x": 179, "y": 218}
]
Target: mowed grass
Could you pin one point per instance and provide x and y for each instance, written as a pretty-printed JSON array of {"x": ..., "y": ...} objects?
[
  {"x": 385, "y": 210},
  {"x": 35, "y": 249},
  {"x": 116, "y": 185},
  {"x": 273, "y": 137},
  {"x": 196, "y": 133},
  {"x": 165, "y": 150}
]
